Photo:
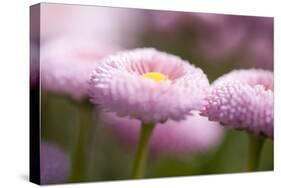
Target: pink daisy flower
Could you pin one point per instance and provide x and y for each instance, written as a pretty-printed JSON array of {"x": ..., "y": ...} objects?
[
  {"x": 66, "y": 64},
  {"x": 148, "y": 85},
  {"x": 194, "y": 135},
  {"x": 54, "y": 164},
  {"x": 243, "y": 99}
]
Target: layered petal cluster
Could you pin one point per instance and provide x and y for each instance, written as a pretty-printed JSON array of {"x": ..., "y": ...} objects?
[
  {"x": 148, "y": 85},
  {"x": 66, "y": 64},
  {"x": 243, "y": 99},
  {"x": 251, "y": 77},
  {"x": 195, "y": 134},
  {"x": 54, "y": 164}
]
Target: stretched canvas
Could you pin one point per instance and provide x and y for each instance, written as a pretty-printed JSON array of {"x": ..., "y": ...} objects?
[{"x": 122, "y": 93}]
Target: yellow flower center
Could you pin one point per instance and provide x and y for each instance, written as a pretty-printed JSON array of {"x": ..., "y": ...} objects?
[{"x": 155, "y": 76}]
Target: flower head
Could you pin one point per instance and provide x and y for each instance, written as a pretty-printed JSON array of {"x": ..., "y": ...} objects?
[
  {"x": 54, "y": 164},
  {"x": 193, "y": 135},
  {"x": 148, "y": 85},
  {"x": 243, "y": 99},
  {"x": 66, "y": 64}
]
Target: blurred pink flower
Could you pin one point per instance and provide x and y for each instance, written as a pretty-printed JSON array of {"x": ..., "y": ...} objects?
[
  {"x": 243, "y": 99},
  {"x": 34, "y": 66},
  {"x": 215, "y": 35},
  {"x": 222, "y": 38},
  {"x": 191, "y": 136},
  {"x": 66, "y": 64},
  {"x": 111, "y": 25},
  {"x": 148, "y": 85},
  {"x": 169, "y": 21},
  {"x": 260, "y": 51},
  {"x": 166, "y": 21},
  {"x": 54, "y": 164},
  {"x": 218, "y": 37}
]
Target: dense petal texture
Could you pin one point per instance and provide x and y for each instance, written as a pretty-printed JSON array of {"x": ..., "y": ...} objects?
[
  {"x": 54, "y": 164},
  {"x": 251, "y": 77},
  {"x": 194, "y": 135},
  {"x": 66, "y": 64},
  {"x": 243, "y": 99},
  {"x": 122, "y": 84}
]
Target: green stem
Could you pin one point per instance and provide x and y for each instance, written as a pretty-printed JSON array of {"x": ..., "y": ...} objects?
[
  {"x": 142, "y": 150},
  {"x": 255, "y": 147},
  {"x": 81, "y": 150}
]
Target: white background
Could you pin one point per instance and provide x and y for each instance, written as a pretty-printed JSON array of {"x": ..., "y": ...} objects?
[{"x": 14, "y": 111}]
